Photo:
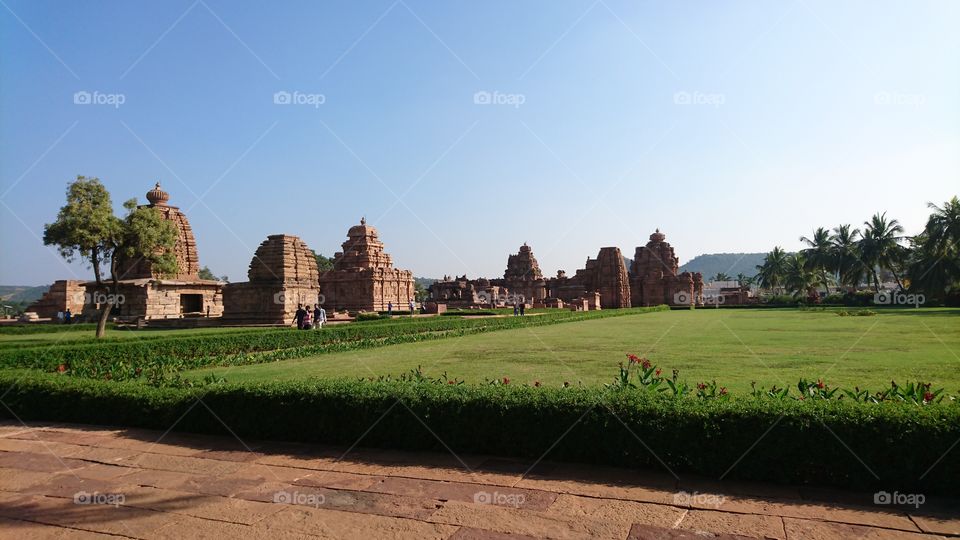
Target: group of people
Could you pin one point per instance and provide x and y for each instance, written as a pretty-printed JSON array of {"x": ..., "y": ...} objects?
[
  {"x": 65, "y": 317},
  {"x": 518, "y": 308},
  {"x": 413, "y": 308},
  {"x": 307, "y": 319}
]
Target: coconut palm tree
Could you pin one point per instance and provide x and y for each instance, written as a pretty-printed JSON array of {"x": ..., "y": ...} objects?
[
  {"x": 744, "y": 280},
  {"x": 721, "y": 276},
  {"x": 819, "y": 255},
  {"x": 880, "y": 247},
  {"x": 935, "y": 258},
  {"x": 846, "y": 259},
  {"x": 771, "y": 274},
  {"x": 799, "y": 278}
]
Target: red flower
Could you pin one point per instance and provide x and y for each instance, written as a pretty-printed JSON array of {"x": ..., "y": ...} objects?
[
  {"x": 701, "y": 386},
  {"x": 723, "y": 390},
  {"x": 658, "y": 372},
  {"x": 645, "y": 364},
  {"x": 927, "y": 397},
  {"x": 449, "y": 382},
  {"x": 820, "y": 384},
  {"x": 633, "y": 358},
  {"x": 506, "y": 380},
  {"x": 61, "y": 368}
]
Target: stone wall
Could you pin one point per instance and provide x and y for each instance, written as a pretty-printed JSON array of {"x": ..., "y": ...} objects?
[{"x": 62, "y": 295}]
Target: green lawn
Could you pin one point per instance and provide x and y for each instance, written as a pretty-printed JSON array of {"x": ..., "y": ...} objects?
[{"x": 732, "y": 346}]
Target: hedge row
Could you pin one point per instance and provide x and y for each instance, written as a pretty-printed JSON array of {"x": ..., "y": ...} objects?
[
  {"x": 812, "y": 442},
  {"x": 288, "y": 343}
]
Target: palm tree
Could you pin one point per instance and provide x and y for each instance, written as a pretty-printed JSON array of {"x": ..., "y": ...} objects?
[
  {"x": 721, "y": 276},
  {"x": 846, "y": 259},
  {"x": 935, "y": 259},
  {"x": 771, "y": 274},
  {"x": 744, "y": 280},
  {"x": 799, "y": 277},
  {"x": 819, "y": 255},
  {"x": 880, "y": 247}
]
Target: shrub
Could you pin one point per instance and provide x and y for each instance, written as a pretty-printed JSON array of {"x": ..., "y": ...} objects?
[
  {"x": 367, "y": 316},
  {"x": 818, "y": 442}
]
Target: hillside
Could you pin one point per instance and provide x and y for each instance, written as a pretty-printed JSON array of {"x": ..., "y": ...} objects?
[
  {"x": 21, "y": 293},
  {"x": 709, "y": 264}
]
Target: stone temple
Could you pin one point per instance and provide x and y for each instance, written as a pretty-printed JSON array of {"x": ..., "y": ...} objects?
[
  {"x": 363, "y": 277},
  {"x": 148, "y": 295},
  {"x": 655, "y": 276},
  {"x": 283, "y": 273}
]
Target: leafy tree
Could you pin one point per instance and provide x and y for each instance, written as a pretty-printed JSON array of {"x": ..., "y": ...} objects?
[
  {"x": 879, "y": 247},
  {"x": 819, "y": 255},
  {"x": 744, "y": 280},
  {"x": 721, "y": 277},
  {"x": 324, "y": 264},
  {"x": 772, "y": 273},
  {"x": 206, "y": 273},
  {"x": 87, "y": 228},
  {"x": 846, "y": 259}
]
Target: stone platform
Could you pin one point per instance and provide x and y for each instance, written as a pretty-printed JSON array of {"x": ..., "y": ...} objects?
[{"x": 71, "y": 481}]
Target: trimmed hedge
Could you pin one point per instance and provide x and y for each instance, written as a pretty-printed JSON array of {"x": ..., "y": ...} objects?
[
  {"x": 810, "y": 442},
  {"x": 123, "y": 357}
]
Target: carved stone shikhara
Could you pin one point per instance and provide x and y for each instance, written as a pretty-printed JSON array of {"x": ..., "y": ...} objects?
[
  {"x": 283, "y": 274},
  {"x": 655, "y": 276},
  {"x": 363, "y": 277}
]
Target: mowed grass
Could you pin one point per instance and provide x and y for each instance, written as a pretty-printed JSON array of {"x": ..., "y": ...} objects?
[
  {"x": 733, "y": 347},
  {"x": 76, "y": 336}
]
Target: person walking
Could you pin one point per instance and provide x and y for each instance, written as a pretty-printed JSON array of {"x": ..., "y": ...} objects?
[
  {"x": 306, "y": 318},
  {"x": 67, "y": 317},
  {"x": 413, "y": 307},
  {"x": 523, "y": 306},
  {"x": 389, "y": 309},
  {"x": 319, "y": 316},
  {"x": 298, "y": 317}
]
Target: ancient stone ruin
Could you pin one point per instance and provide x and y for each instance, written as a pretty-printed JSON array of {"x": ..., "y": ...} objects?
[
  {"x": 148, "y": 295},
  {"x": 363, "y": 277},
  {"x": 655, "y": 276},
  {"x": 606, "y": 275},
  {"x": 283, "y": 273},
  {"x": 63, "y": 294}
]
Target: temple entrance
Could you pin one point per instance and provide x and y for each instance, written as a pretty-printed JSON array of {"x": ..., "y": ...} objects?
[{"x": 191, "y": 303}]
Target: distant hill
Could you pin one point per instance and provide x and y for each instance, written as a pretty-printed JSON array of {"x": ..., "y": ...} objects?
[
  {"x": 709, "y": 264},
  {"x": 425, "y": 282},
  {"x": 22, "y": 293}
]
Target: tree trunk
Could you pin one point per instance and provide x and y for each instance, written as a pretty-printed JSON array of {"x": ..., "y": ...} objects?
[{"x": 104, "y": 315}]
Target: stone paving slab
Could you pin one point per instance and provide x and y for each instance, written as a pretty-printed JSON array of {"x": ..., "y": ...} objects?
[{"x": 75, "y": 481}]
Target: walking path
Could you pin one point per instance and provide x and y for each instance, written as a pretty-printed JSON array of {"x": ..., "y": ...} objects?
[{"x": 74, "y": 481}]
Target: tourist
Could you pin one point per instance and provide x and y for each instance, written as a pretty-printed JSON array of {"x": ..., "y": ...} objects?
[
  {"x": 319, "y": 316},
  {"x": 523, "y": 306},
  {"x": 306, "y": 319},
  {"x": 59, "y": 316},
  {"x": 516, "y": 309},
  {"x": 67, "y": 317},
  {"x": 413, "y": 307},
  {"x": 389, "y": 309},
  {"x": 298, "y": 317}
]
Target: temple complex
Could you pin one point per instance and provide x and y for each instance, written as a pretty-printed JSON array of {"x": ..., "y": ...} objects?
[
  {"x": 655, "y": 276},
  {"x": 606, "y": 276},
  {"x": 522, "y": 280},
  {"x": 282, "y": 274},
  {"x": 363, "y": 277},
  {"x": 148, "y": 295}
]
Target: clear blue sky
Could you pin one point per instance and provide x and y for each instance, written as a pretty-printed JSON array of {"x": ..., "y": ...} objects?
[{"x": 800, "y": 114}]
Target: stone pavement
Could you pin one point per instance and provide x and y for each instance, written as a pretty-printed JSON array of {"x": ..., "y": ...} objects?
[{"x": 60, "y": 481}]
